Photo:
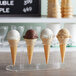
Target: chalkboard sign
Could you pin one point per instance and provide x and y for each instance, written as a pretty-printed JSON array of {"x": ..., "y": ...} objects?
[{"x": 20, "y": 8}]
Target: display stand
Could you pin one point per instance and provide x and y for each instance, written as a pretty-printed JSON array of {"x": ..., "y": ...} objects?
[
  {"x": 38, "y": 61},
  {"x": 33, "y": 67}
]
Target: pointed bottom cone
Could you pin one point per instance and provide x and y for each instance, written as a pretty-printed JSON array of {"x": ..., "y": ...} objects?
[
  {"x": 30, "y": 53},
  {"x": 62, "y": 50},
  {"x": 13, "y": 47},
  {"x": 13, "y": 54},
  {"x": 47, "y": 52}
]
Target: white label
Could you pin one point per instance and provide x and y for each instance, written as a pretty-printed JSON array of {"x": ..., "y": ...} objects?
[
  {"x": 5, "y": 10},
  {"x": 4, "y": 3},
  {"x": 27, "y": 9},
  {"x": 28, "y": 2}
]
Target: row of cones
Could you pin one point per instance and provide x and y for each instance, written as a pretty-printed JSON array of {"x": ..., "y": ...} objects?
[
  {"x": 47, "y": 43},
  {"x": 54, "y": 9},
  {"x": 30, "y": 48}
]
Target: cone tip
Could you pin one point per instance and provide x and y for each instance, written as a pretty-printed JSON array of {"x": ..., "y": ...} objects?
[
  {"x": 62, "y": 61},
  {"x": 29, "y": 62},
  {"x": 46, "y": 62}
]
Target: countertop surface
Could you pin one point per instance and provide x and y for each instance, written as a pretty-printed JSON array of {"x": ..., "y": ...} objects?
[{"x": 69, "y": 70}]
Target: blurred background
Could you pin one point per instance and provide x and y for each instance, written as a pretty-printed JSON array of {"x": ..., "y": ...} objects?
[
  {"x": 44, "y": 8},
  {"x": 23, "y": 27}
]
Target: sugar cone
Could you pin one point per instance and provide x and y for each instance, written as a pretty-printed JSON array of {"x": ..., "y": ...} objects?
[
  {"x": 46, "y": 43},
  {"x": 30, "y": 53},
  {"x": 13, "y": 47},
  {"x": 63, "y": 42},
  {"x": 30, "y": 47},
  {"x": 62, "y": 51},
  {"x": 47, "y": 52}
]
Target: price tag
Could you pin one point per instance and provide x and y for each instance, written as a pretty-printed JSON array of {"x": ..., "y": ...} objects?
[{"x": 20, "y": 8}]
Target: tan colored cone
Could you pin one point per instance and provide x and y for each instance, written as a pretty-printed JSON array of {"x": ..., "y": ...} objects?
[
  {"x": 13, "y": 47},
  {"x": 47, "y": 52},
  {"x": 63, "y": 42},
  {"x": 63, "y": 10},
  {"x": 66, "y": 7},
  {"x": 46, "y": 43},
  {"x": 68, "y": 13},
  {"x": 68, "y": 16},
  {"x": 30, "y": 48},
  {"x": 54, "y": 14},
  {"x": 54, "y": 9},
  {"x": 68, "y": 3},
  {"x": 62, "y": 51},
  {"x": 63, "y": 2},
  {"x": 13, "y": 54},
  {"x": 53, "y": 1},
  {"x": 30, "y": 53}
]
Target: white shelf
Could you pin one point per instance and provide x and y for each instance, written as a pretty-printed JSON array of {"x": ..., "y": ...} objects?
[{"x": 36, "y": 20}]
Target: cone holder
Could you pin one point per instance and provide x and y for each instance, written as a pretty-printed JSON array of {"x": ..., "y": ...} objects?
[{"x": 38, "y": 60}]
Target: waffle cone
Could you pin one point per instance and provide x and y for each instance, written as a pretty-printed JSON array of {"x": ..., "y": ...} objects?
[
  {"x": 46, "y": 43},
  {"x": 13, "y": 47},
  {"x": 30, "y": 48}
]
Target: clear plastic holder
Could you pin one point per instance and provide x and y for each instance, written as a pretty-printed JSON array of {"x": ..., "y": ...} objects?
[{"x": 38, "y": 60}]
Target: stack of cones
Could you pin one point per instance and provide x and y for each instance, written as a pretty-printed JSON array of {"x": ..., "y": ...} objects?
[
  {"x": 66, "y": 9},
  {"x": 30, "y": 48},
  {"x": 46, "y": 43},
  {"x": 54, "y": 9},
  {"x": 13, "y": 47},
  {"x": 62, "y": 42}
]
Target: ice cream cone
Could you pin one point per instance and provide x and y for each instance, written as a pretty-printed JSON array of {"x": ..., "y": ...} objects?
[
  {"x": 62, "y": 51},
  {"x": 13, "y": 47},
  {"x": 62, "y": 42},
  {"x": 30, "y": 48},
  {"x": 63, "y": 36},
  {"x": 46, "y": 43}
]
